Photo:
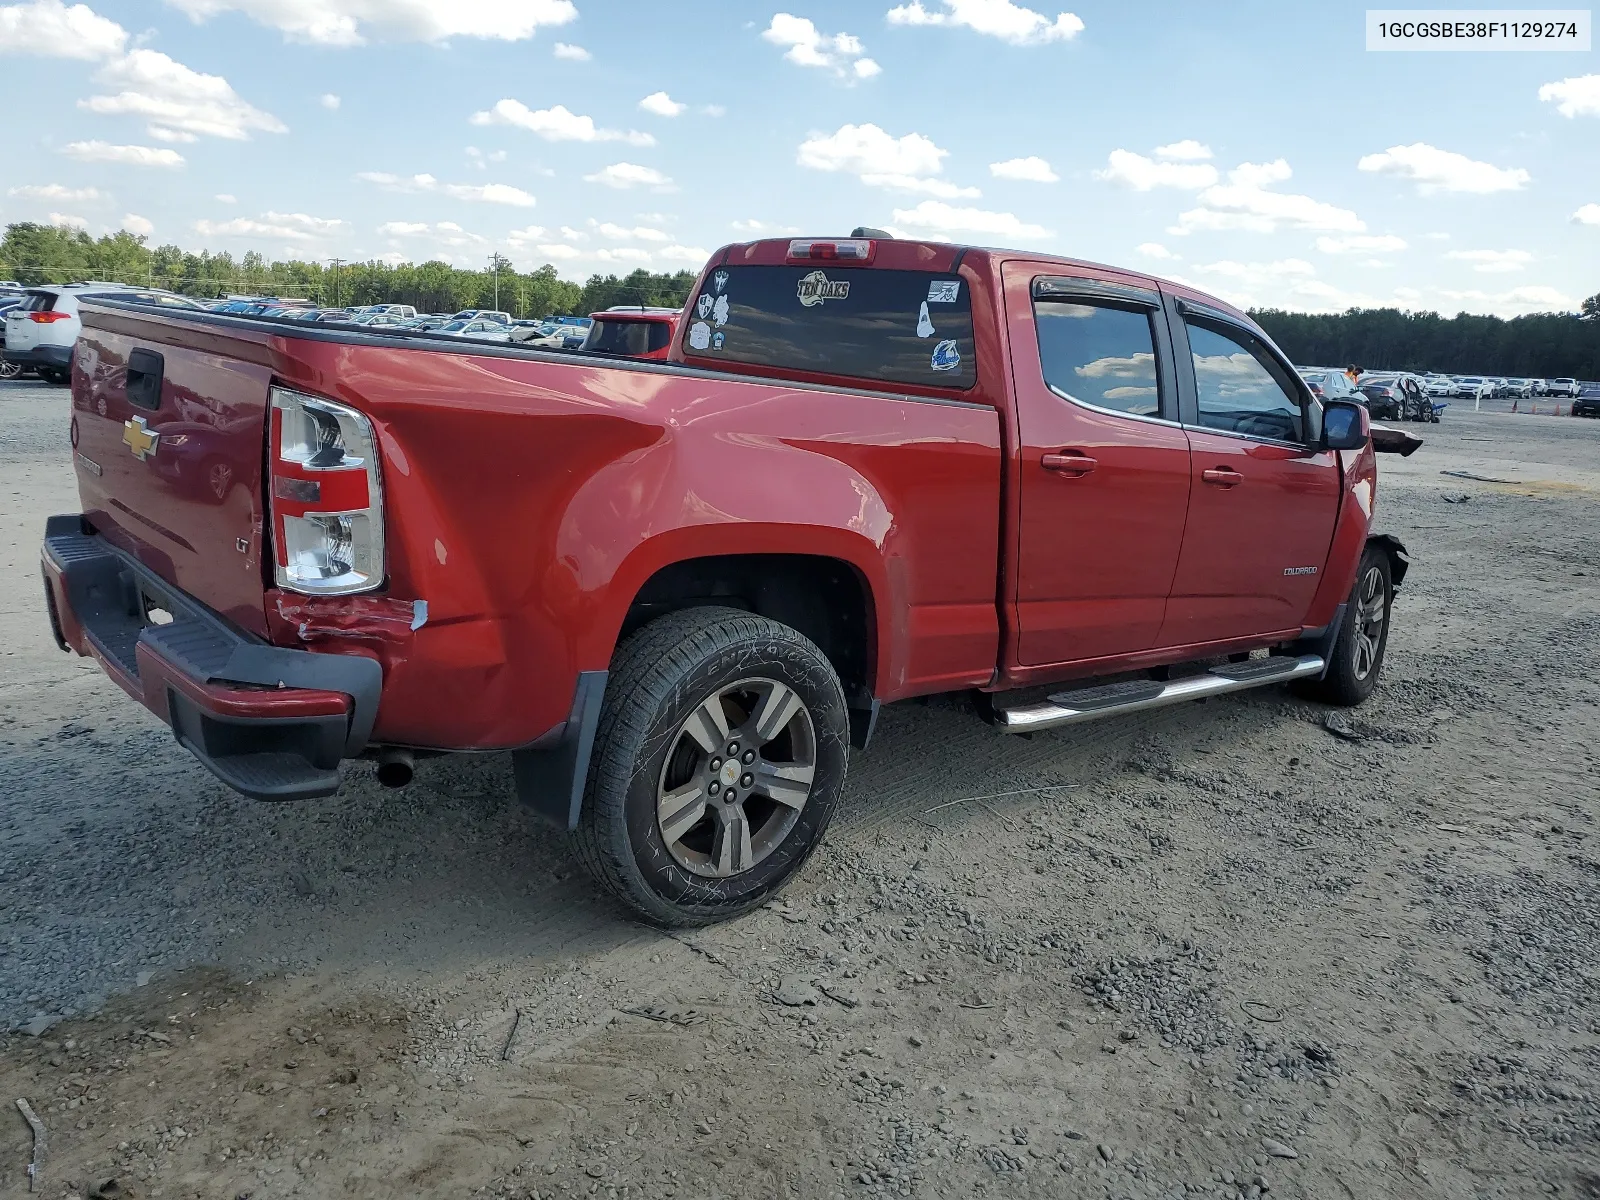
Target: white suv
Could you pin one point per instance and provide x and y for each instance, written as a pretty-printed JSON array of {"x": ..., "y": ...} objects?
[
  {"x": 1564, "y": 387},
  {"x": 41, "y": 331}
]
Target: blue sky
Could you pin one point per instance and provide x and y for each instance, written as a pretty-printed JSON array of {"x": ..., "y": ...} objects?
[{"x": 1254, "y": 149}]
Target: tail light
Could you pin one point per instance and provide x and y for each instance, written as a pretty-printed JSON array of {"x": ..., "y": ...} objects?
[
  {"x": 49, "y": 318},
  {"x": 852, "y": 250},
  {"x": 326, "y": 496}
]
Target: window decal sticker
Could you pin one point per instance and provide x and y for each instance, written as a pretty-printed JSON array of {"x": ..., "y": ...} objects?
[
  {"x": 944, "y": 291},
  {"x": 925, "y": 327},
  {"x": 719, "y": 311},
  {"x": 946, "y": 357},
  {"x": 702, "y": 306},
  {"x": 816, "y": 288},
  {"x": 719, "y": 281},
  {"x": 699, "y": 335}
]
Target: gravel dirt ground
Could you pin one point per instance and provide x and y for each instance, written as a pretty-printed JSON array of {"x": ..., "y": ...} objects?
[{"x": 1249, "y": 947}]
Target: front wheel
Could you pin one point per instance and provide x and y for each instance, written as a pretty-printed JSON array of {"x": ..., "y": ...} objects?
[
  {"x": 719, "y": 758},
  {"x": 1357, "y": 658}
]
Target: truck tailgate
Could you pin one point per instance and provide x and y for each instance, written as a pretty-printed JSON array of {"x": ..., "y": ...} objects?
[{"x": 169, "y": 443}]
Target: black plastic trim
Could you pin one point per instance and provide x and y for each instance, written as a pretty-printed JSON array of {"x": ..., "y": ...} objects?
[
  {"x": 1399, "y": 559},
  {"x": 41, "y": 356},
  {"x": 109, "y": 592},
  {"x": 551, "y": 779},
  {"x": 863, "y": 723}
]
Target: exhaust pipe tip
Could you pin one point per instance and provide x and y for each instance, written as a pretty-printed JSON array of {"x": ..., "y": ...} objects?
[{"x": 395, "y": 768}]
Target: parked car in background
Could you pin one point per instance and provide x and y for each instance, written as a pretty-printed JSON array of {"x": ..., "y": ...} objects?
[
  {"x": 1440, "y": 385},
  {"x": 1330, "y": 383},
  {"x": 573, "y": 330},
  {"x": 487, "y": 314},
  {"x": 1382, "y": 396},
  {"x": 483, "y": 330},
  {"x": 403, "y": 311},
  {"x": 1473, "y": 387},
  {"x": 8, "y": 370},
  {"x": 1564, "y": 387},
  {"x": 1587, "y": 403},
  {"x": 1539, "y": 387},
  {"x": 644, "y": 333},
  {"x": 42, "y": 330}
]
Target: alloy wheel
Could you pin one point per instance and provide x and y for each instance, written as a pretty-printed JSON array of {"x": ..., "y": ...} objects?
[
  {"x": 1372, "y": 611},
  {"x": 736, "y": 777}
]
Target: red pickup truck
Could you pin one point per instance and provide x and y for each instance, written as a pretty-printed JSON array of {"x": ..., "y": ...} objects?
[{"x": 678, "y": 592}]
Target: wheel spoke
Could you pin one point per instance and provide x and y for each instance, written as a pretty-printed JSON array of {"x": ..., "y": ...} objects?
[
  {"x": 733, "y": 851},
  {"x": 788, "y": 784},
  {"x": 774, "y": 712},
  {"x": 708, "y": 725},
  {"x": 680, "y": 810}
]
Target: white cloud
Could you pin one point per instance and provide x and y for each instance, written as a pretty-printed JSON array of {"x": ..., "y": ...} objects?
[
  {"x": 763, "y": 227},
  {"x": 866, "y": 149},
  {"x": 842, "y": 53},
  {"x": 402, "y": 228},
  {"x": 998, "y": 18},
  {"x": 1575, "y": 97},
  {"x": 1030, "y": 170},
  {"x": 1382, "y": 243},
  {"x": 639, "y": 233},
  {"x": 560, "y": 250},
  {"x": 629, "y": 175},
  {"x": 488, "y": 193},
  {"x": 55, "y": 191},
  {"x": 226, "y": 198},
  {"x": 1154, "y": 250},
  {"x": 941, "y": 188},
  {"x": 684, "y": 254},
  {"x": 133, "y": 156},
  {"x": 1254, "y": 272},
  {"x": 352, "y": 22},
  {"x": 1530, "y": 298},
  {"x": 1589, "y": 214},
  {"x": 629, "y": 255},
  {"x": 557, "y": 124},
  {"x": 137, "y": 225},
  {"x": 175, "y": 99},
  {"x": 518, "y": 238},
  {"x": 290, "y": 227},
  {"x": 574, "y": 235},
  {"x": 1142, "y": 174},
  {"x": 68, "y": 221},
  {"x": 572, "y": 53},
  {"x": 714, "y": 110},
  {"x": 444, "y": 234},
  {"x": 662, "y": 105},
  {"x": 1436, "y": 170},
  {"x": 1245, "y": 203},
  {"x": 946, "y": 218},
  {"x": 51, "y": 29},
  {"x": 163, "y": 134},
  {"x": 1187, "y": 150},
  {"x": 482, "y": 160},
  {"x": 329, "y": 101},
  {"x": 1493, "y": 261}
]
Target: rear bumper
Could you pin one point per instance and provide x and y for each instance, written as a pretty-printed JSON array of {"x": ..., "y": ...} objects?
[
  {"x": 270, "y": 722},
  {"x": 40, "y": 356}
]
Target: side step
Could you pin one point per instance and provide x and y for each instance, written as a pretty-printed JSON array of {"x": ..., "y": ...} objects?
[{"x": 1091, "y": 704}]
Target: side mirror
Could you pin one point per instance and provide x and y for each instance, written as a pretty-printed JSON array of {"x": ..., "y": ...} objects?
[{"x": 1345, "y": 425}]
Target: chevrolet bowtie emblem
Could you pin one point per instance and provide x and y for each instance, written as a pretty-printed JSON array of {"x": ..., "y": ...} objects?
[{"x": 140, "y": 438}]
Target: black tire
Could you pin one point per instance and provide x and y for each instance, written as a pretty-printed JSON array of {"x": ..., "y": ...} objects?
[
  {"x": 57, "y": 377},
  {"x": 1358, "y": 652},
  {"x": 663, "y": 677}
]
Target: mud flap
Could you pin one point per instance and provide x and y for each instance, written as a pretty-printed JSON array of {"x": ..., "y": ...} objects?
[{"x": 551, "y": 778}]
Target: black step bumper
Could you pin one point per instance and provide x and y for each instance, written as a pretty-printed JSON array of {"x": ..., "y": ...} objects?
[{"x": 270, "y": 722}]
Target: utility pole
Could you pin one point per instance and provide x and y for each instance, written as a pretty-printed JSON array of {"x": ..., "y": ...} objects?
[
  {"x": 495, "y": 260},
  {"x": 336, "y": 283}
]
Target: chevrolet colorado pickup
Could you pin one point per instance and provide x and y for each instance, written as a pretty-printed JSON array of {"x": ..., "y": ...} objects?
[{"x": 678, "y": 592}]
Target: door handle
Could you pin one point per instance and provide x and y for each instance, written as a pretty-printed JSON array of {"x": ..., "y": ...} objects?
[
  {"x": 1069, "y": 463},
  {"x": 1223, "y": 477}
]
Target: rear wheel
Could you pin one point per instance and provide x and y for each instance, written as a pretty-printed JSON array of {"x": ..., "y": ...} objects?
[
  {"x": 1357, "y": 659},
  {"x": 9, "y": 370},
  {"x": 719, "y": 759}
]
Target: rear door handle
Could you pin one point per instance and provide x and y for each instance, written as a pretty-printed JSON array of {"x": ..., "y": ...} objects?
[
  {"x": 1223, "y": 477},
  {"x": 1069, "y": 463}
]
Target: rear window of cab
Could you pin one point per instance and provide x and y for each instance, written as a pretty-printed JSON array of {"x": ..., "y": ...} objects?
[{"x": 912, "y": 327}]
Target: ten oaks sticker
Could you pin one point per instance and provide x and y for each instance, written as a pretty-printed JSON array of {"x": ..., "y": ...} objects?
[{"x": 817, "y": 287}]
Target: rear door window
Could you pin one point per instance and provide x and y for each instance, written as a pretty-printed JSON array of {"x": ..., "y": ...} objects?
[
  {"x": 1099, "y": 355},
  {"x": 863, "y": 322}
]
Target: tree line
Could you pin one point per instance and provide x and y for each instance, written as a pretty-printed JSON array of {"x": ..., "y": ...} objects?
[
  {"x": 31, "y": 253},
  {"x": 1540, "y": 345}
]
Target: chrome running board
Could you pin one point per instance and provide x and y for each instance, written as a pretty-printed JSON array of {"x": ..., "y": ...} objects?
[{"x": 1113, "y": 699}]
